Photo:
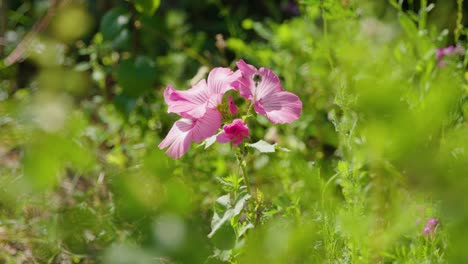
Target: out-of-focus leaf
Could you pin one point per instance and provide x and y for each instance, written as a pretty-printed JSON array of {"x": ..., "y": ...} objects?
[
  {"x": 147, "y": 6},
  {"x": 262, "y": 146},
  {"x": 136, "y": 75},
  {"x": 222, "y": 233},
  {"x": 225, "y": 237},
  {"x": 114, "y": 28}
]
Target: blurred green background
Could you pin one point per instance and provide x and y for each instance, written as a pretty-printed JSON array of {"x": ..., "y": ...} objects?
[{"x": 381, "y": 146}]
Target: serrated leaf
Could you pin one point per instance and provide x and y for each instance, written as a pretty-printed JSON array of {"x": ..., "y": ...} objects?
[
  {"x": 262, "y": 146},
  {"x": 147, "y": 7}
]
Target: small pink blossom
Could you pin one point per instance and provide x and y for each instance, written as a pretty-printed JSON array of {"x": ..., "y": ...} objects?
[
  {"x": 235, "y": 132},
  {"x": 232, "y": 106},
  {"x": 430, "y": 226},
  {"x": 263, "y": 88},
  {"x": 448, "y": 51}
]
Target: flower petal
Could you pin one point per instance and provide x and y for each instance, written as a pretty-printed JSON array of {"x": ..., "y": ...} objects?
[
  {"x": 207, "y": 125},
  {"x": 223, "y": 138},
  {"x": 245, "y": 84},
  {"x": 186, "y": 130},
  {"x": 189, "y": 103},
  {"x": 281, "y": 107},
  {"x": 269, "y": 84},
  {"x": 232, "y": 106},
  {"x": 219, "y": 82},
  {"x": 178, "y": 139}
]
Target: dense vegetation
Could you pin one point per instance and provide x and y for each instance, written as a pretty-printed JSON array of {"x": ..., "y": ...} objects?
[{"x": 374, "y": 170}]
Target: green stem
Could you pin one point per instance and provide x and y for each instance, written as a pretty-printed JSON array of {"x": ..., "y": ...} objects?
[
  {"x": 459, "y": 26},
  {"x": 241, "y": 160},
  {"x": 325, "y": 34},
  {"x": 3, "y": 24},
  {"x": 332, "y": 178},
  {"x": 423, "y": 15}
]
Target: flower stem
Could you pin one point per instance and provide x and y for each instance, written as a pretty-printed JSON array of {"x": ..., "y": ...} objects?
[{"x": 242, "y": 165}]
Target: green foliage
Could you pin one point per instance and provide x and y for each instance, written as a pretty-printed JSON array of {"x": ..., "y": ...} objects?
[{"x": 380, "y": 148}]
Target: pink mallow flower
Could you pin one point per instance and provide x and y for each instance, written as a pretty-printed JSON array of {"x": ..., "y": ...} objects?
[
  {"x": 430, "y": 226},
  {"x": 235, "y": 132},
  {"x": 263, "y": 88},
  {"x": 232, "y": 106},
  {"x": 197, "y": 106}
]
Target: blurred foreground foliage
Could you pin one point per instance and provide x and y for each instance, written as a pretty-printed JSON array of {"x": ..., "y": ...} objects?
[{"x": 380, "y": 148}]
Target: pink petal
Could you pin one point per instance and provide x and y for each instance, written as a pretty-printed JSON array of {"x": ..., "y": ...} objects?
[
  {"x": 270, "y": 83},
  {"x": 189, "y": 103},
  {"x": 220, "y": 81},
  {"x": 186, "y": 130},
  {"x": 178, "y": 139},
  {"x": 232, "y": 106},
  {"x": 280, "y": 107},
  {"x": 245, "y": 84},
  {"x": 245, "y": 68},
  {"x": 223, "y": 138},
  {"x": 207, "y": 125}
]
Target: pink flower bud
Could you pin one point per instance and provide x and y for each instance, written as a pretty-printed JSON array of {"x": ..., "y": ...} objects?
[{"x": 235, "y": 132}]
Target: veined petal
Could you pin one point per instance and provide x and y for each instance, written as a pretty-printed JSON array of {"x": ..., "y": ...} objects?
[
  {"x": 178, "y": 139},
  {"x": 189, "y": 103},
  {"x": 186, "y": 130},
  {"x": 280, "y": 107},
  {"x": 269, "y": 84},
  {"x": 245, "y": 84},
  {"x": 207, "y": 125},
  {"x": 219, "y": 82},
  {"x": 246, "y": 69}
]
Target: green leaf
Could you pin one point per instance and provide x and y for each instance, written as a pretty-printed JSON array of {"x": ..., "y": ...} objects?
[
  {"x": 262, "y": 146},
  {"x": 136, "y": 76},
  {"x": 208, "y": 142},
  {"x": 240, "y": 204},
  {"x": 225, "y": 237},
  {"x": 147, "y": 7},
  {"x": 217, "y": 222},
  {"x": 114, "y": 28},
  {"x": 223, "y": 212}
]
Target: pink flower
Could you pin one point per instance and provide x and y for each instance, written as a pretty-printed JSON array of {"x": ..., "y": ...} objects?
[
  {"x": 232, "y": 107},
  {"x": 448, "y": 51},
  {"x": 263, "y": 88},
  {"x": 236, "y": 131},
  {"x": 430, "y": 226},
  {"x": 197, "y": 106}
]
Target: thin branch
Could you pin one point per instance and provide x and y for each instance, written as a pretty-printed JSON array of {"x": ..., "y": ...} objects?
[
  {"x": 3, "y": 23},
  {"x": 19, "y": 52}
]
